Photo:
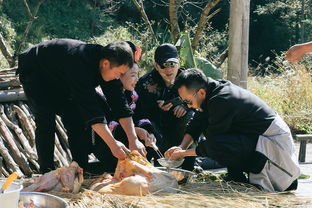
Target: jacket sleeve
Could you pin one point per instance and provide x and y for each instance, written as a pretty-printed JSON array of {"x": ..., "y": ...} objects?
[
  {"x": 114, "y": 93},
  {"x": 196, "y": 125}
]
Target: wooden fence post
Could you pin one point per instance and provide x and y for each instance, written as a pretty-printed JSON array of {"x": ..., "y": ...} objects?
[{"x": 238, "y": 42}]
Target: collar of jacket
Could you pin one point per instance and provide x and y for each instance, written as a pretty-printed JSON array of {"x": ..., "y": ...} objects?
[
  {"x": 157, "y": 78},
  {"x": 212, "y": 85}
]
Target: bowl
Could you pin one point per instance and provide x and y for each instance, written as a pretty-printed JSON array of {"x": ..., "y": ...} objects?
[
  {"x": 41, "y": 200},
  {"x": 9, "y": 198},
  {"x": 170, "y": 163},
  {"x": 182, "y": 176}
]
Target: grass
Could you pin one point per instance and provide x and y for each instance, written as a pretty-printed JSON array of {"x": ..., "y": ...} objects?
[{"x": 289, "y": 94}]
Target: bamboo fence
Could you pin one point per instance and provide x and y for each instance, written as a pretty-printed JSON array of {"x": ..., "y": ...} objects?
[{"x": 17, "y": 131}]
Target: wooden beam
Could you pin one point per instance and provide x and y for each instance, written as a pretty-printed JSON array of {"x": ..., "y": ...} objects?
[
  {"x": 238, "y": 42},
  {"x": 12, "y": 95}
]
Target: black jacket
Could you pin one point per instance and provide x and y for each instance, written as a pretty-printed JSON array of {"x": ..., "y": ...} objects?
[
  {"x": 113, "y": 115},
  {"x": 150, "y": 88},
  {"x": 68, "y": 71},
  {"x": 229, "y": 109}
]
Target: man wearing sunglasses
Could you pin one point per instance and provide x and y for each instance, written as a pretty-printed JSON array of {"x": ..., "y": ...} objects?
[
  {"x": 157, "y": 100},
  {"x": 242, "y": 132}
]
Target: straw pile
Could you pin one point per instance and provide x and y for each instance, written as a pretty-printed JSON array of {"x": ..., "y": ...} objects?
[{"x": 194, "y": 194}]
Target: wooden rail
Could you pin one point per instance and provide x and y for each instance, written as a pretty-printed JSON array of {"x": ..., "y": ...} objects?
[{"x": 303, "y": 138}]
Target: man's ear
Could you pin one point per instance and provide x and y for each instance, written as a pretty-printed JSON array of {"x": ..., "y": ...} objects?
[
  {"x": 155, "y": 65},
  {"x": 104, "y": 64},
  {"x": 202, "y": 93}
]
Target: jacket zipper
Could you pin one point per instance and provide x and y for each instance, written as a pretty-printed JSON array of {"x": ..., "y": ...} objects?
[{"x": 279, "y": 167}]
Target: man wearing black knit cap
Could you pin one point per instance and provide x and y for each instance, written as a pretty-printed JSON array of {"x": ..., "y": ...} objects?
[{"x": 155, "y": 92}]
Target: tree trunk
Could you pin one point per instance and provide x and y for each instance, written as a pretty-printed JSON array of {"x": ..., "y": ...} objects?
[
  {"x": 145, "y": 18},
  {"x": 32, "y": 17},
  {"x": 238, "y": 42},
  {"x": 173, "y": 18},
  {"x": 6, "y": 52},
  {"x": 202, "y": 22}
]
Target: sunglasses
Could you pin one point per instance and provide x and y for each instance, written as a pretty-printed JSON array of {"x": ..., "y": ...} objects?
[
  {"x": 169, "y": 64},
  {"x": 189, "y": 102}
]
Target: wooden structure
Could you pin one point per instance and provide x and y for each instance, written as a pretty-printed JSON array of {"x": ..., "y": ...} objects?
[
  {"x": 238, "y": 42},
  {"x": 303, "y": 138}
]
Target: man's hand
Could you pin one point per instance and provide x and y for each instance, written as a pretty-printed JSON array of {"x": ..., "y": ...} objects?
[
  {"x": 179, "y": 111},
  {"x": 174, "y": 153},
  {"x": 119, "y": 150},
  {"x": 162, "y": 106},
  {"x": 135, "y": 144},
  {"x": 145, "y": 136},
  {"x": 151, "y": 139}
]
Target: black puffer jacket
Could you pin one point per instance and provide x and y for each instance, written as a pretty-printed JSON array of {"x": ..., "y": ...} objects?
[{"x": 150, "y": 88}]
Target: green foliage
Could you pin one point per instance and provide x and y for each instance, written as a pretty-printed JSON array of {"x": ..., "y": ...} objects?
[
  {"x": 303, "y": 176},
  {"x": 188, "y": 60},
  {"x": 9, "y": 34},
  {"x": 207, "y": 176},
  {"x": 186, "y": 52},
  {"x": 208, "y": 68},
  {"x": 56, "y": 19},
  {"x": 277, "y": 25},
  {"x": 290, "y": 94}
]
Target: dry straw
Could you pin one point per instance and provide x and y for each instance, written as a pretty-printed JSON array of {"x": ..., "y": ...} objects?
[{"x": 195, "y": 194}]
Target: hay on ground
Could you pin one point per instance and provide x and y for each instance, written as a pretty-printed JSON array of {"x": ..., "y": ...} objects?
[{"x": 195, "y": 194}]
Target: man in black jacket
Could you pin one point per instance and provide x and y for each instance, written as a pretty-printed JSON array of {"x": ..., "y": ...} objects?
[
  {"x": 154, "y": 88},
  {"x": 242, "y": 132},
  {"x": 59, "y": 78}
]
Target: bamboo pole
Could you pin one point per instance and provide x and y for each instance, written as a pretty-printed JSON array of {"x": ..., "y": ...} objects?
[
  {"x": 63, "y": 138},
  {"x": 27, "y": 111},
  {"x": 14, "y": 151},
  {"x": 10, "y": 113},
  {"x": 12, "y": 95},
  {"x": 59, "y": 147},
  {"x": 35, "y": 164},
  {"x": 9, "y": 161},
  {"x": 9, "y": 83},
  {"x": 27, "y": 148},
  {"x": 5, "y": 173},
  {"x": 26, "y": 125}
]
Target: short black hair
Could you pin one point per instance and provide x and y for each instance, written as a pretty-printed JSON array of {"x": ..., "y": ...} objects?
[
  {"x": 118, "y": 53},
  {"x": 192, "y": 79},
  {"x": 132, "y": 46}
]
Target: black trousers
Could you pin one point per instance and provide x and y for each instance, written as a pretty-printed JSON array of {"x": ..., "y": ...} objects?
[
  {"x": 45, "y": 104},
  {"x": 236, "y": 152}
]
